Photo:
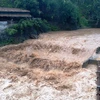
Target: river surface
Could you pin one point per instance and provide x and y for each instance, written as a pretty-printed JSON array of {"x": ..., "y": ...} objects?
[
  {"x": 50, "y": 68},
  {"x": 3, "y": 25}
]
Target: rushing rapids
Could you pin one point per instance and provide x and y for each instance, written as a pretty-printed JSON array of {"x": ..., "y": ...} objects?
[{"x": 50, "y": 68}]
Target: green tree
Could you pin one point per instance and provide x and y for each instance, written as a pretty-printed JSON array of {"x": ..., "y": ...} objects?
[
  {"x": 5, "y": 3},
  {"x": 69, "y": 15},
  {"x": 31, "y": 5}
]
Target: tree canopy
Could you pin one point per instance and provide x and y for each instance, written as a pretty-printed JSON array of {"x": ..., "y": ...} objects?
[{"x": 68, "y": 14}]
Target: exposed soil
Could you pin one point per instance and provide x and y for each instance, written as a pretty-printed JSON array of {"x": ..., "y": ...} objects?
[{"x": 50, "y": 68}]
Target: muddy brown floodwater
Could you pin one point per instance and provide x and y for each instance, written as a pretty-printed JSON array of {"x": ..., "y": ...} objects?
[{"x": 50, "y": 68}]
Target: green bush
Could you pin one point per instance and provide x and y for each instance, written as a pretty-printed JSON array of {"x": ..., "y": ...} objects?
[
  {"x": 27, "y": 27},
  {"x": 23, "y": 30},
  {"x": 83, "y": 22},
  {"x": 11, "y": 31}
]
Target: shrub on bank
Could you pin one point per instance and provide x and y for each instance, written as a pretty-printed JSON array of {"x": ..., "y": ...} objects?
[
  {"x": 28, "y": 27},
  {"x": 25, "y": 29}
]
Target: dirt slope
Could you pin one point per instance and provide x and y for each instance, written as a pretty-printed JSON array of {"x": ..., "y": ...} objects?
[{"x": 49, "y": 68}]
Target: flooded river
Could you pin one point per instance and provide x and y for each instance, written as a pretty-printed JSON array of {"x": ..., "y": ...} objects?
[
  {"x": 3, "y": 25},
  {"x": 50, "y": 68}
]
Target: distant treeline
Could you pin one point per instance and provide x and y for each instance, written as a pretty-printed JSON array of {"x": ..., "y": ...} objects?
[{"x": 66, "y": 14}]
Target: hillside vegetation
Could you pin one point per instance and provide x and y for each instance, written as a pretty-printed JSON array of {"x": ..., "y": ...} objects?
[
  {"x": 68, "y": 14},
  {"x": 52, "y": 15}
]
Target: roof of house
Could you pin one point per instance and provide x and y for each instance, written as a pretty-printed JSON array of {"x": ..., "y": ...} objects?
[
  {"x": 14, "y": 12},
  {"x": 2, "y": 9}
]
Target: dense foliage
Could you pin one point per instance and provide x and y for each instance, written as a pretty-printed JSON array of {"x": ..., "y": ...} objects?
[
  {"x": 23, "y": 30},
  {"x": 28, "y": 27},
  {"x": 90, "y": 10},
  {"x": 61, "y": 12},
  {"x": 65, "y": 14},
  {"x": 68, "y": 14}
]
